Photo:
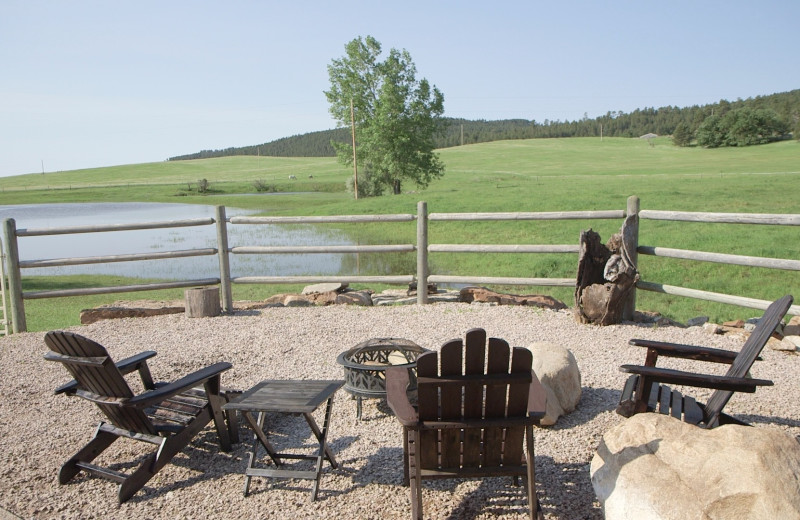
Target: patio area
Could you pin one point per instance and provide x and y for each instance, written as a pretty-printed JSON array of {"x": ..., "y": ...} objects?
[{"x": 39, "y": 430}]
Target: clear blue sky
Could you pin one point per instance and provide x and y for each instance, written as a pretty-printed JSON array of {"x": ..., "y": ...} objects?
[{"x": 98, "y": 83}]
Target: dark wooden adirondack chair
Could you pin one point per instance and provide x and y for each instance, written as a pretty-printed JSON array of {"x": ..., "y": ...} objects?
[
  {"x": 646, "y": 390},
  {"x": 473, "y": 417},
  {"x": 167, "y": 415}
]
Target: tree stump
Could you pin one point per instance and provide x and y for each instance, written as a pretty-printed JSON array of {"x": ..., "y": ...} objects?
[
  {"x": 606, "y": 276},
  {"x": 202, "y": 302}
]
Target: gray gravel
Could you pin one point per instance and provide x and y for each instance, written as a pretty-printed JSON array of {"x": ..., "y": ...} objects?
[{"x": 39, "y": 430}]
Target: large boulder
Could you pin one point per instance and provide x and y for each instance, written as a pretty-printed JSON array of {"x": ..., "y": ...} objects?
[
  {"x": 653, "y": 466},
  {"x": 557, "y": 370}
]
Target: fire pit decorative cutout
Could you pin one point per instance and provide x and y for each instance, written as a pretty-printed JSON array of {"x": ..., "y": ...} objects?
[{"x": 365, "y": 366}]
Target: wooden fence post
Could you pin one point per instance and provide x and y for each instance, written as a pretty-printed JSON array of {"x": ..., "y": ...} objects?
[
  {"x": 18, "y": 323},
  {"x": 224, "y": 260},
  {"x": 422, "y": 253},
  {"x": 632, "y": 248}
]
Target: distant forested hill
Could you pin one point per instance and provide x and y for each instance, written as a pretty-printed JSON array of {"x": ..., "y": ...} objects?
[{"x": 661, "y": 121}]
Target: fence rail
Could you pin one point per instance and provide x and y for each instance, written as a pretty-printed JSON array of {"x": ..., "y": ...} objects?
[{"x": 422, "y": 247}]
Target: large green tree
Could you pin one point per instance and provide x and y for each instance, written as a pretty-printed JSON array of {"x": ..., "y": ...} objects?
[
  {"x": 742, "y": 127},
  {"x": 396, "y": 117}
]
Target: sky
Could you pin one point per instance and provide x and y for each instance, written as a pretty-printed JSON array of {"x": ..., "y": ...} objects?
[{"x": 87, "y": 84}]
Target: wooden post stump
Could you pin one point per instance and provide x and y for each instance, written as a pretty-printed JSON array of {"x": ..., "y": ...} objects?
[
  {"x": 202, "y": 302},
  {"x": 606, "y": 276}
]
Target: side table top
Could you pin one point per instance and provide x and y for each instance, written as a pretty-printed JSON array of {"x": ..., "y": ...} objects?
[{"x": 285, "y": 395}]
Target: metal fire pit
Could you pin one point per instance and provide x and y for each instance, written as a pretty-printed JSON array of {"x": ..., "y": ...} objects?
[{"x": 365, "y": 366}]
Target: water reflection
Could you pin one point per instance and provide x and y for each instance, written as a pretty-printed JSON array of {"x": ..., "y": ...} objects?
[{"x": 35, "y": 216}]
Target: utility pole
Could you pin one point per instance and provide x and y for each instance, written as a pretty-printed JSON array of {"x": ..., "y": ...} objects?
[{"x": 355, "y": 165}]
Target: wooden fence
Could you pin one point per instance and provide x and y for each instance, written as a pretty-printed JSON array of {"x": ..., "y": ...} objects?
[{"x": 422, "y": 247}]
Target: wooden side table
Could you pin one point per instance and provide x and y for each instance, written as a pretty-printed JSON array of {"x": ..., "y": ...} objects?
[{"x": 293, "y": 397}]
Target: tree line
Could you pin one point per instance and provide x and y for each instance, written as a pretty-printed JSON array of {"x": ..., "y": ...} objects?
[{"x": 773, "y": 114}]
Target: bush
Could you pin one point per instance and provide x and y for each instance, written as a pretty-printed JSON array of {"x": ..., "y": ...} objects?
[
  {"x": 368, "y": 185},
  {"x": 262, "y": 186}
]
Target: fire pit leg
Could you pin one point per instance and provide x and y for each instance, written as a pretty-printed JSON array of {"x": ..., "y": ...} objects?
[{"x": 358, "y": 408}]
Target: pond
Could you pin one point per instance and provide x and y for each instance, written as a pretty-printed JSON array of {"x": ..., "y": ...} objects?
[{"x": 36, "y": 216}]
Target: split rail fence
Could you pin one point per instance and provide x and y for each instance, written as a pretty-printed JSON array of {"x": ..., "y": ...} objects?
[{"x": 422, "y": 276}]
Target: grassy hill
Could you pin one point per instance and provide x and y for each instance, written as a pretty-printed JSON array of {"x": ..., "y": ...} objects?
[{"x": 519, "y": 175}]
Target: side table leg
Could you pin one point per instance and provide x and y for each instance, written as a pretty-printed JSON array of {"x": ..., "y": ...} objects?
[
  {"x": 324, "y": 450},
  {"x": 259, "y": 437},
  {"x": 251, "y": 462}
]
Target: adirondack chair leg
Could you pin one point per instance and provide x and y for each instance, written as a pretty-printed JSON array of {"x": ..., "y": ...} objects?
[
  {"x": 405, "y": 456},
  {"x": 416, "y": 479},
  {"x": 643, "y": 390},
  {"x": 534, "y": 509},
  {"x": 138, "y": 478},
  {"x": 101, "y": 440},
  {"x": 169, "y": 447},
  {"x": 215, "y": 401}
]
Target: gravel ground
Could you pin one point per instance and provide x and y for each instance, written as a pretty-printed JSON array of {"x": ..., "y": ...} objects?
[{"x": 39, "y": 430}]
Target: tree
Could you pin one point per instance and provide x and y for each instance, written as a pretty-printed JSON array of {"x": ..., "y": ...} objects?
[
  {"x": 748, "y": 126},
  {"x": 743, "y": 127},
  {"x": 682, "y": 136},
  {"x": 396, "y": 117},
  {"x": 710, "y": 133}
]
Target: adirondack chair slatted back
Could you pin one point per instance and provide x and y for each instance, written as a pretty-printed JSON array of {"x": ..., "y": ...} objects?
[
  {"x": 448, "y": 394},
  {"x": 90, "y": 365},
  {"x": 747, "y": 356}
]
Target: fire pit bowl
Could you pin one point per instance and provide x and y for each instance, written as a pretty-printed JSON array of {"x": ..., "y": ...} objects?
[{"x": 365, "y": 366}]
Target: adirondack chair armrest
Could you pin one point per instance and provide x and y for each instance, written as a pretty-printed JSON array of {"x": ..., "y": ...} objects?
[
  {"x": 679, "y": 377},
  {"x": 132, "y": 363},
  {"x": 162, "y": 392},
  {"x": 125, "y": 366},
  {"x": 678, "y": 350},
  {"x": 397, "y": 380}
]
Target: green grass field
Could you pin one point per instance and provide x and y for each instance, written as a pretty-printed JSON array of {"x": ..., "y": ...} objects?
[{"x": 530, "y": 175}]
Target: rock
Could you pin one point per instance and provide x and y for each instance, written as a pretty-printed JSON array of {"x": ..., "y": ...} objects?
[
  {"x": 482, "y": 294},
  {"x": 736, "y": 324},
  {"x": 782, "y": 344},
  {"x": 645, "y": 316},
  {"x": 446, "y": 296},
  {"x": 412, "y": 288},
  {"x": 275, "y": 299},
  {"x": 382, "y": 300},
  {"x": 322, "y": 298},
  {"x": 106, "y": 313},
  {"x": 324, "y": 287},
  {"x": 793, "y": 327},
  {"x": 712, "y": 328},
  {"x": 653, "y": 466},
  {"x": 697, "y": 322},
  {"x": 558, "y": 372},
  {"x": 363, "y": 298},
  {"x": 794, "y": 339},
  {"x": 295, "y": 300}
]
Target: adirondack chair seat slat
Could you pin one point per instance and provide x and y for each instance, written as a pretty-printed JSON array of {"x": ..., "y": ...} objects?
[
  {"x": 646, "y": 389},
  {"x": 167, "y": 415}
]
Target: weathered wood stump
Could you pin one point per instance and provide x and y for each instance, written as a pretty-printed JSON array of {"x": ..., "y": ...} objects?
[
  {"x": 202, "y": 302},
  {"x": 606, "y": 276}
]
